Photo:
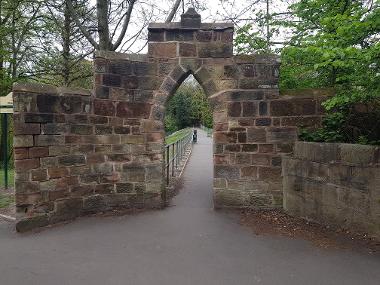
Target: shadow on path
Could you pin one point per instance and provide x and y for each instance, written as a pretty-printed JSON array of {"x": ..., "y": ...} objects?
[{"x": 187, "y": 243}]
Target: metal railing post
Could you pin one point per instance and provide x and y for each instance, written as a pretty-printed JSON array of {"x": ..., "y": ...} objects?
[
  {"x": 172, "y": 160},
  {"x": 176, "y": 155},
  {"x": 167, "y": 165},
  {"x": 4, "y": 139}
]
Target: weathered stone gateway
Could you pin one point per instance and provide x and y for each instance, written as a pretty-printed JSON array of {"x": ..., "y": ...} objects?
[{"x": 80, "y": 152}]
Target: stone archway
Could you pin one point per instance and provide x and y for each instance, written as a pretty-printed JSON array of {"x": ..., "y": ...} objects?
[{"x": 80, "y": 152}]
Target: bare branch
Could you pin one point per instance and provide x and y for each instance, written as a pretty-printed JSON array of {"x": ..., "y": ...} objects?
[
  {"x": 173, "y": 11},
  {"x": 80, "y": 26},
  {"x": 125, "y": 25}
]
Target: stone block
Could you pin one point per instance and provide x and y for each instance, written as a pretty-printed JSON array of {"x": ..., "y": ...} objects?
[
  {"x": 29, "y": 223},
  {"x": 54, "y": 129},
  {"x": 124, "y": 188},
  {"x": 73, "y": 105},
  {"x": 48, "y": 103},
  {"x": 38, "y": 118},
  {"x": 82, "y": 129},
  {"x": 156, "y": 36},
  {"x": 225, "y": 137},
  {"x": 261, "y": 159},
  {"x": 272, "y": 174},
  {"x": 94, "y": 204},
  {"x": 21, "y": 153},
  {"x": 249, "y": 172},
  {"x": 23, "y": 141},
  {"x": 281, "y": 135},
  {"x": 119, "y": 67},
  {"x": 357, "y": 154},
  {"x": 249, "y": 83},
  {"x": 249, "y": 147},
  {"x": 27, "y": 164},
  {"x": 20, "y": 128},
  {"x": 26, "y": 187},
  {"x": 214, "y": 49},
  {"x": 249, "y": 70},
  {"x": 111, "y": 80},
  {"x": 232, "y": 148},
  {"x": 256, "y": 135},
  {"x": 284, "y": 147},
  {"x": 70, "y": 160},
  {"x": 133, "y": 110},
  {"x": 203, "y": 36},
  {"x": 322, "y": 152},
  {"x": 230, "y": 199},
  {"x": 249, "y": 109},
  {"x": 234, "y": 109},
  {"x": 263, "y": 108},
  {"x": 104, "y": 188},
  {"x": 67, "y": 209},
  {"x": 35, "y": 152},
  {"x": 102, "y": 92},
  {"x": 227, "y": 172},
  {"x": 220, "y": 183},
  {"x": 134, "y": 173},
  {"x": 168, "y": 50},
  {"x": 266, "y": 148},
  {"x": 104, "y": 108},
  {"x": 133, "y": 139},
  {"x": 293, "y": 107},
  {"x": 82, "y": 190},
  {"x": 39, "y": 174},
  {"x": 57, "y": 172},
  {"x": 260, "y": 122},
  {"x": 242, "y": 137},
  {"x": 48, "y": 140},
  {"x": 210, "y": 88},
  {"x": 187, "y": 50},
  {"x": 192, "y": 64},
  {"x": 179, "y": 35},
  {"x": 100, "y": 120},
  {"x": 243, "y": 158}
]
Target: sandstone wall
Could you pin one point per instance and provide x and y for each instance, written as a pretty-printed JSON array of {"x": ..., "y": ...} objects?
[
  {"x": 252, "y": 133},
  {"x": 336, "y": 184},
  {"x": 79, "y": 152}
]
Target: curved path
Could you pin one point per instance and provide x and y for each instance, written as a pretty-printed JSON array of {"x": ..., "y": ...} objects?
[{"x": 187, "y": 243}]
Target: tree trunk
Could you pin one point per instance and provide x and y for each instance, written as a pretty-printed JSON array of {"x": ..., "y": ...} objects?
[
  {"x": 173, "y": 11},
  {"x": 103, "y": 29},
  {"x": 66, "y": 46}
]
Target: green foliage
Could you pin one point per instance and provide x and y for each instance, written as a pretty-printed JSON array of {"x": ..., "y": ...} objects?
[
  {"x": 187, "y": 108},
  {"x": 248, "y": 41},
  {"x": 177, "y": 136},
  {"x": 6, "y": 200},
  {"x": 336, "y": 44}
]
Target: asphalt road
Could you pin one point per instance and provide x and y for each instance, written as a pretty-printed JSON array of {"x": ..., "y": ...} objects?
[{"x": 187, "y": 243}]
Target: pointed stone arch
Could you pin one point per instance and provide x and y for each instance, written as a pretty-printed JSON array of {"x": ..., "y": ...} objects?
[
  {"x": 179, "y": 74},
  {"x": 86, "y": 152}
]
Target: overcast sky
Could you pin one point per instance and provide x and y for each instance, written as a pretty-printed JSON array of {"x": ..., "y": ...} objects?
[{"x": 210, "y": 10}]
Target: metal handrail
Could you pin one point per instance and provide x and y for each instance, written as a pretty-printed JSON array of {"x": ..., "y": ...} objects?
[{"x": 174, "y": 153}]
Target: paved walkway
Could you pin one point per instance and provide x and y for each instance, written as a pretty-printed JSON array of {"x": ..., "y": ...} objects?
[{"x": 187, "y": 243}]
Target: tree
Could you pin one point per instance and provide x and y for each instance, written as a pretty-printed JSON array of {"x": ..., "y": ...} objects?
[
  {"x": 19, "y": 21},
  {"x": 336, "y": 44},
  {"x": 63, "y": 58},
  {"x": 188, "y": 107}
]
